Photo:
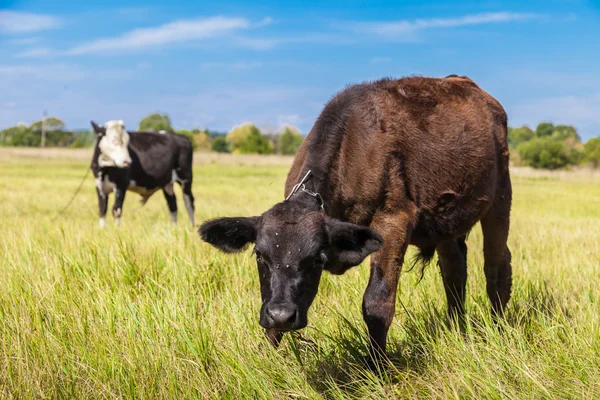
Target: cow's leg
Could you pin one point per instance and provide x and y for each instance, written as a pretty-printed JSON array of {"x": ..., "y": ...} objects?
[
  {"x": 118, "y": 206},
  {"x": 453, "y": 266},
  {"x": 379, "y": 301},
  {"x": 188, "y": 199},
  {"x": 171, "y": 201},
  {"x": 495, "y": 225},
  {"x": 102, "y": 206}
]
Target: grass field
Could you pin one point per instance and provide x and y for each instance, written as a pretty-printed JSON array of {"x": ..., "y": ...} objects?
[{"x": 149, "y": 311}]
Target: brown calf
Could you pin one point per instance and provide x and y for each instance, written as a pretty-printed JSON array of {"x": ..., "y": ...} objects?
[{"x": 393, "y": 162}]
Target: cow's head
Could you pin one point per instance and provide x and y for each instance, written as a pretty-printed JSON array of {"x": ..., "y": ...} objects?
[
  {"x": 113, "y": 140},
  {"x": 294, "y": 243}
]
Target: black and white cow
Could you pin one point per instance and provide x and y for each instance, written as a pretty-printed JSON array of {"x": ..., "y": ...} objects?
[{"x": 143, "y": 162}]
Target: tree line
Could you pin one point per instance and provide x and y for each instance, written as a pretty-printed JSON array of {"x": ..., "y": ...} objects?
[
  {"x": 242, "y": 139},
  {"x": 549, "y": 146},
  {"x": 552, "y": 147},
  {"x": 57, "y": 135}
]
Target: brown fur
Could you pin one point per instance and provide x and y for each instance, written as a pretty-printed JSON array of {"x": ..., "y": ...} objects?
[
  {"x": 420, "y": 160},
  {"x": 393, "y": 162}
]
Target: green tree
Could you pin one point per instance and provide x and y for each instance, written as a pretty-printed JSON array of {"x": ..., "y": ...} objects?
[
  {"x": 219, "y": 145},
  {"x": 247, "y": 139},
  {"x": 238, "y": 135},
  {"x": 202, "y": 139},
  {"x": 156, "y": 122},
  {"x": 84, "y": 138},
  {"x": 56, "y": 133},
  {"x": 562, "y": 132},
  {"x": 592, "y": 151},
  {"x": 544, "y": 129},
  {"x": 546, "y": 153},
  {"x": 53, "y": 124},
  {"x": 256, "y": 142},
  {"x": 19, "y": 135},
  {"x": 516, "y": 136},
  {"x": 290, "y": 140},
  {"x": 575, "y": 150}
]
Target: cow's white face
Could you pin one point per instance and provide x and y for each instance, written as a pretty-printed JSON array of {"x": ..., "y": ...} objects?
[{"x": 113, "y": 146}]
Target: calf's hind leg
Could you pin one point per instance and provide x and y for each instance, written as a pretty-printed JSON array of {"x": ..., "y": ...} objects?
[
  {"x": 498, "y": 270},
  {"x": 188, "y": 199},
  {"x": 171, "y": 201},
  {"x": 452, "y": 256}
]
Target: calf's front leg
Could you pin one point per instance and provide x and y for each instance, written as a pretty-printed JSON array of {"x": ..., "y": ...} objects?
[
  {"x": 118, "y": 206},
  {"x": 379, "y": 301},
  {"x": 102, "y": 206}
]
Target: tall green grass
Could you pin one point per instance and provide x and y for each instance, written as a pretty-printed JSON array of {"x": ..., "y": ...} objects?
[{"x": 149, "y": 311}]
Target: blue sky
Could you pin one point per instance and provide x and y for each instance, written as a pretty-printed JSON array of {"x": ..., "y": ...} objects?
[{"x": 218, "y": 64}]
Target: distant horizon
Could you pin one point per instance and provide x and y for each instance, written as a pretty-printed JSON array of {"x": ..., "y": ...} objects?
[
  {"x": 225, "y": 131},
  {"x": 215, "y": 66}
]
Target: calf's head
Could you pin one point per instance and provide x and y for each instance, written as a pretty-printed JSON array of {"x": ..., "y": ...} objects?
[
  {"x": 113, "y": 140},
  {"x": 293, "y": 244}
]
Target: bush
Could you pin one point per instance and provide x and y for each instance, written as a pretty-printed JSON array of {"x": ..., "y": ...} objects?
[
  {"x": 22, "y": 135},
  {"x": 84, "y": 139},
  {"x": 219, "y": 145},
  {"x": 562, "y": 132},
  {"x": 247, "y": 139},
  {"x": 592, "y": 151},
  {"x": 256, "y": 143},
  {"x": 202, "y": 139},
  {"x": 156, "y": 122},
  {"x": 238, "y": 134},
  {"x": 548, "y": 153},
  {"x": 290, "y": 140},
  {"x": 19, "y": 135},
  {"x": 544, "y": 129},
  {"x": 516, "y": 136}
]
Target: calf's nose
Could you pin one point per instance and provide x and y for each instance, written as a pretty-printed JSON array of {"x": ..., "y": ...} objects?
[{"x": 281, "y": 317}]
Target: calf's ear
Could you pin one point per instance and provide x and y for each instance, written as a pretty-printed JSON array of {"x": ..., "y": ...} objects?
[
  {"x": 97, "y": 130},
  {"x": 229, "y": 234},
  {"x": 350, "y": 244}
]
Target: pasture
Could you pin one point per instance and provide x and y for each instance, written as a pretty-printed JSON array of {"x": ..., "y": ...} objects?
[{"x": 149, "y": 311}]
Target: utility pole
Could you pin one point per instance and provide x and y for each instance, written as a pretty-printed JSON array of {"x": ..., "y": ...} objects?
[{"x": 44, "y": 129}]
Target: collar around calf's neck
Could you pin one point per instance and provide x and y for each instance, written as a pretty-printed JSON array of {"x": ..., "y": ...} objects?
[{"x": 300, "y": 187}]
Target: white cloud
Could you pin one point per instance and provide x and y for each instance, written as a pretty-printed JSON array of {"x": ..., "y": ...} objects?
[
  {"x": 262, "y": 43},
  {"x": 173, "y": 32},
  {"x": 20, "y": 75},
  {"x": 264, "y": 22},
  {"x": 16, "y": 22},
  {"x": 46, "y": 72},
  {"x": 406, "y": 27},
  {"x": 35, "y": 52}
]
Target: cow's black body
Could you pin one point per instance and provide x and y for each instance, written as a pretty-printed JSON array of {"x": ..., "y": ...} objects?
[{"x": 157, "y": 161}]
